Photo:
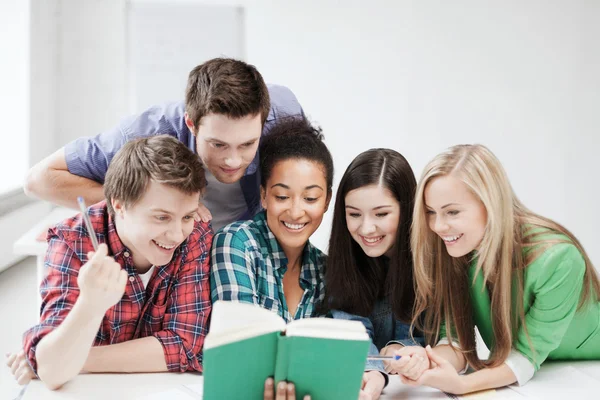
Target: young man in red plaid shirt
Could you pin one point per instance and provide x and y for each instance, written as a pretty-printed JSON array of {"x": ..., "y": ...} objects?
[{"x": 141, "y": 302}]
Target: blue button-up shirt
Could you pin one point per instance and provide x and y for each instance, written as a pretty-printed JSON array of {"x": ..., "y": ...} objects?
[{"x": 89, "y": 157}]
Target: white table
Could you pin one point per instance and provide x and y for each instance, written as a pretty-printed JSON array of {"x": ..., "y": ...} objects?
[
  {"x": 134, "y": 386},
  {"x": 29, "y": 245},
  {"x": 111, "y": 386}
]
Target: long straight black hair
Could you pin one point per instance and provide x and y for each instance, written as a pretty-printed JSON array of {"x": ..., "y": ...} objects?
[{"x": 354, "y": 281}]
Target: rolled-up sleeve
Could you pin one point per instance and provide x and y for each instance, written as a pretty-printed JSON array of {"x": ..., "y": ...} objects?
[
  {"x": 185, "y": 323},
  {"x": 59, "y": 291},
  {"x": 89, "y": 157}
]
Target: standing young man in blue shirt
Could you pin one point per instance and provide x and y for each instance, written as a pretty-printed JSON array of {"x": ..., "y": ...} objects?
[{"x": 227, "y": 109}]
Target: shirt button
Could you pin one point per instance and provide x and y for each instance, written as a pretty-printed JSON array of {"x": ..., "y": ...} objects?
[
  {"x": 126, "y": 254},
  {"x": 131, "y": 278}
]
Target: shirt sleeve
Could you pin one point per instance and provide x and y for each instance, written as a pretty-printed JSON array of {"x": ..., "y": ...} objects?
[
  {"x": 283, "y": 102},
  {"x": 59, "y": 291},
  {"x": 371, "y": 365},
  {"x": 185, "y": 323},
  {"x": 556, "y": 281},
  {"x": 232, "y": 270},
  {"x": 520, "y": 366},
  {"x": 89, "y": 157}
]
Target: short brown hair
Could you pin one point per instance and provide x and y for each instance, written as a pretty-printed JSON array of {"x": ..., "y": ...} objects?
[
  {"x": 226, "y": 86},
  {"x": 162, "y": 159}
]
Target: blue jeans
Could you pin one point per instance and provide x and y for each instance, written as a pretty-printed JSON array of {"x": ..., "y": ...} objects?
[{"x": 383, "y": 329}]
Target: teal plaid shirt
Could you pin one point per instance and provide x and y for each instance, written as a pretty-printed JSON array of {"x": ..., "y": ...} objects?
[{"x": 247, "y": 265}]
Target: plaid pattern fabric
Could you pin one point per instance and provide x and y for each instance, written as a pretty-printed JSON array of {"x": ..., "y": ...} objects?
[
  {"x": 247, "y": 265},
  {"x": 174, "y": 307}
]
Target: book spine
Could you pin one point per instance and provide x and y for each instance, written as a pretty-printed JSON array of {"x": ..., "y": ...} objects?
[{"x": 282, "y": 358}]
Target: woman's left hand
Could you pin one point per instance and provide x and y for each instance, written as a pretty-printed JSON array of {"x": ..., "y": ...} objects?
[{"x": 442, "y": 376}]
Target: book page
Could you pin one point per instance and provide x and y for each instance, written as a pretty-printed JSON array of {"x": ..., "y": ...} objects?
[
  {"x": 234, "y": 321},
  {"x": 327, "y": 328}
]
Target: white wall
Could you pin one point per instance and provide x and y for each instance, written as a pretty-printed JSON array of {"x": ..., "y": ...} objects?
[
  {"x": 92, "y": 67},
  {"x": 167, "y": 39},
  {"x": 78, "y": 70},
  {"x": 14, "y": 91},
  {"x": 97, "y": 61},
  {"x": 416, "y": 76},
  {"x": 66, "y": 74},
  {"x": 43, "y": 105},
  {"x": 17, "y": 92},
  {"x": 519, "y": 77}
]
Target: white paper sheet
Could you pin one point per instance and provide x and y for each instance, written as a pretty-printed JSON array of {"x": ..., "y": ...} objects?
[{"x": 555, "y": 381}]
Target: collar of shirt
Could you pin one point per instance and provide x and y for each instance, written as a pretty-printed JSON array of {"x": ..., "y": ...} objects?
[{"x": 309, "y": 273}]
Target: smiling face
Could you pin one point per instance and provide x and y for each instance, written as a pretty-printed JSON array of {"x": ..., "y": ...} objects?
[
  {"x": 156, "y": 225},
  {"x": 372, "y": 218},
  {"x": 455, "y": 214},
  {"x": 226, "y": 145},
  {"x": 295, "y": 198}
]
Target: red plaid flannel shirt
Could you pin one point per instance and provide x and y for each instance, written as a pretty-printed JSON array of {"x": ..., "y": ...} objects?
[{"x": 174, "y": 307}]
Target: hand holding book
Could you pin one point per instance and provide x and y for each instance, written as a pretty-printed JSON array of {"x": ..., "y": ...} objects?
[
  {"x": 322, "y": 357},
  {"x": 284, "y": 391}
]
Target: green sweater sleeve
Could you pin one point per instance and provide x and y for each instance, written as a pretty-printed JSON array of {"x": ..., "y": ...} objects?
[
  {"x": 443, "y": 333},
  {"x": 554, "y": 281}
]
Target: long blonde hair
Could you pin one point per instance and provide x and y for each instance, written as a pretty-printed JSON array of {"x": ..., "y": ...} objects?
[{"x": 442, "y": 284}]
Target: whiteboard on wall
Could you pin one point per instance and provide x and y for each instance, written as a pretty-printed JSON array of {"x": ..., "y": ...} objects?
[{"x": 166, "y": 40}]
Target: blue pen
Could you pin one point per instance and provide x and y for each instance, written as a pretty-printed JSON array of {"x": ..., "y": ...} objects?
[
  {"x": 376, "y": 358},
  {"x": 88, "y": 223}
]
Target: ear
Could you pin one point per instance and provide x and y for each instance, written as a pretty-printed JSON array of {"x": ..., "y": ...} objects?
[
  {"x": 189, "y": 123},
  {"x": 263, "y": 197},
  {"x": 118, "y": 207}
]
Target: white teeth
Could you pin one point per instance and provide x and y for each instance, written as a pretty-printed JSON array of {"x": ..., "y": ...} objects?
[
  {"x": 372, "y": 240},
  {"x": 163, "y": 246},
  {"x": 451, "y": 238},
  {"x": 294, "y": 226}
]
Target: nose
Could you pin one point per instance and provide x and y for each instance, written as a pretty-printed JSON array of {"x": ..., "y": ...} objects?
[
  {"x": 233, "y": 160},
  {"x": 440, "y": 225},
  {"x": 367, "y": 227},
  {"x": 296, "y": 210},
  {"x": 177, "y": 233}
]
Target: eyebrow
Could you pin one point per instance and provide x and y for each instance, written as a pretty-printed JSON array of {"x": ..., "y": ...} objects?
[
  {"x": 162, "y": 210},
  {"x": 374, "y": 208},
  {"x": 283, "y": 185},
  {"x": 192, "y": 211},
  {"x": 212, "y": 139},
  {"x": 215, "y": 140},
  {"x": 447, "y": 205}
]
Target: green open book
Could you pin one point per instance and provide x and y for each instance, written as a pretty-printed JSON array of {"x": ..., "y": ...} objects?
[{"x": 323, "y": 357}]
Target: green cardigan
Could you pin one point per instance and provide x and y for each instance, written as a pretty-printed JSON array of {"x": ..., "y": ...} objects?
[{"x": 557, "y": 329}]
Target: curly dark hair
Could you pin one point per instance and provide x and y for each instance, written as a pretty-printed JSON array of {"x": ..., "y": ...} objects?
[{"x": 294, "y": 137}]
